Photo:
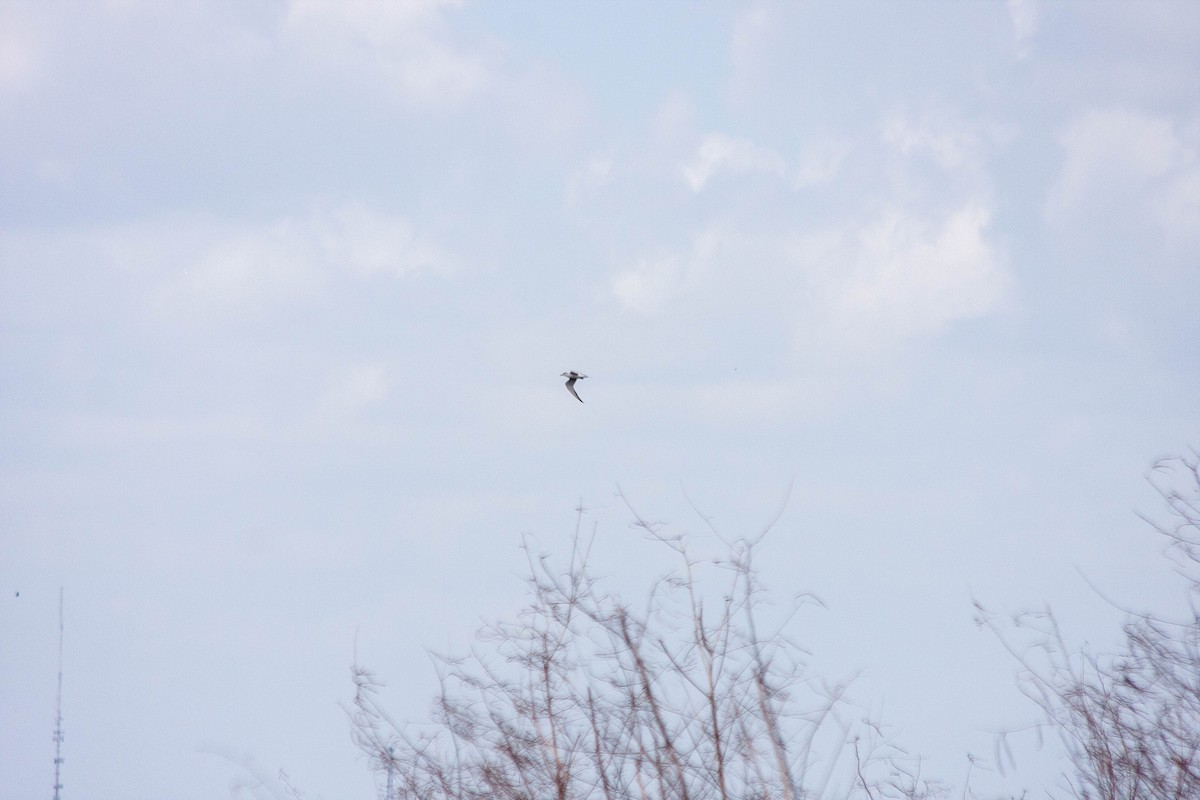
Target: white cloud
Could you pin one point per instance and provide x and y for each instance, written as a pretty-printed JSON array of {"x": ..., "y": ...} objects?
[
  {"x": 363, "y": 241},
  {"x": 719, "y": 153},
  {"x": 1024, "y": 17},
  {"x": 675, "y": 117},
  {"x": 256, "y": 263},
  {"x": 947, "y": 144},
  {"x": 589, "y": 177},
  {"x": 697, "y": 271},
  {"x": 907, "y": 278},
  {"x": 293, "y": 257},
  {"x": 19, "y": 51},
  {"x": 763, "y": 402},
  {"x": 647, "y": 286},
  {"x": 756, "y": 35},
  {"x": 355, "y": 389},
  {"x": 1178, "y": 208},
  {"x": 375, "y": 21},
  {"x": 1114, "y": 144},
  {"x": 821, "y": 162},
  {"x": 862, "y": 288},
  {"x": 406, "y": 43},
  {"x": 1121, "y": 165}
]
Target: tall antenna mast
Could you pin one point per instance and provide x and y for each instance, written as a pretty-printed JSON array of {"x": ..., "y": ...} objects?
[{"x": 58, "y": 729}]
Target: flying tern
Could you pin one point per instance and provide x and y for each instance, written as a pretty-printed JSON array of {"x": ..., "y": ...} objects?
[{"x": 571, "y": 377}]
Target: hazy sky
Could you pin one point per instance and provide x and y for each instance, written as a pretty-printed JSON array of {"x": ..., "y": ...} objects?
[{"x": 286, "y": 289}]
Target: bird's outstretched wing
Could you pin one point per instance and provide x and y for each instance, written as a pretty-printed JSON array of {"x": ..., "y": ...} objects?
[{"x": 571, "y": 389}]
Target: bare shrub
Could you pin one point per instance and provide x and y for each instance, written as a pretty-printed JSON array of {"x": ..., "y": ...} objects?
[
  {"x": 1130, "y": 720},
  {"x": 585, "y": 696}
]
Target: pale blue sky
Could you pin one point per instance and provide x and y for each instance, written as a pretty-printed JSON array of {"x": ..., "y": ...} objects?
[{"x": 286, "y": 289}]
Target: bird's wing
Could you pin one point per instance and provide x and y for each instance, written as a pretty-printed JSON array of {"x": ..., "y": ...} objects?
[{"x": 571, "y": 389}]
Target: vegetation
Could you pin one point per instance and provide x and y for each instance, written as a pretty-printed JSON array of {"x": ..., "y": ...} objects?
[
  {"x": 585, "y": 697},
  {"x": 1130, "y": 720}
]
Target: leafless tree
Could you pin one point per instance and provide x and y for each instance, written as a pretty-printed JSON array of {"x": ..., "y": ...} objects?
[
  {"x": 1130, "y": 720},
  {"x": 585, "y": 696}
]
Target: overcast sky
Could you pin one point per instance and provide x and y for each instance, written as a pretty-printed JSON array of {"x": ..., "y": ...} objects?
[{"x": 286, "y": 288}]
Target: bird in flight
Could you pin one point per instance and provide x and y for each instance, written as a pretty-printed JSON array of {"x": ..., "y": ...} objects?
[{"x": 571, "y": 377}]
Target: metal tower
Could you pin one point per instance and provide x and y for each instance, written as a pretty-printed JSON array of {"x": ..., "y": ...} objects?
[{"x": 58, "y": 729}]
